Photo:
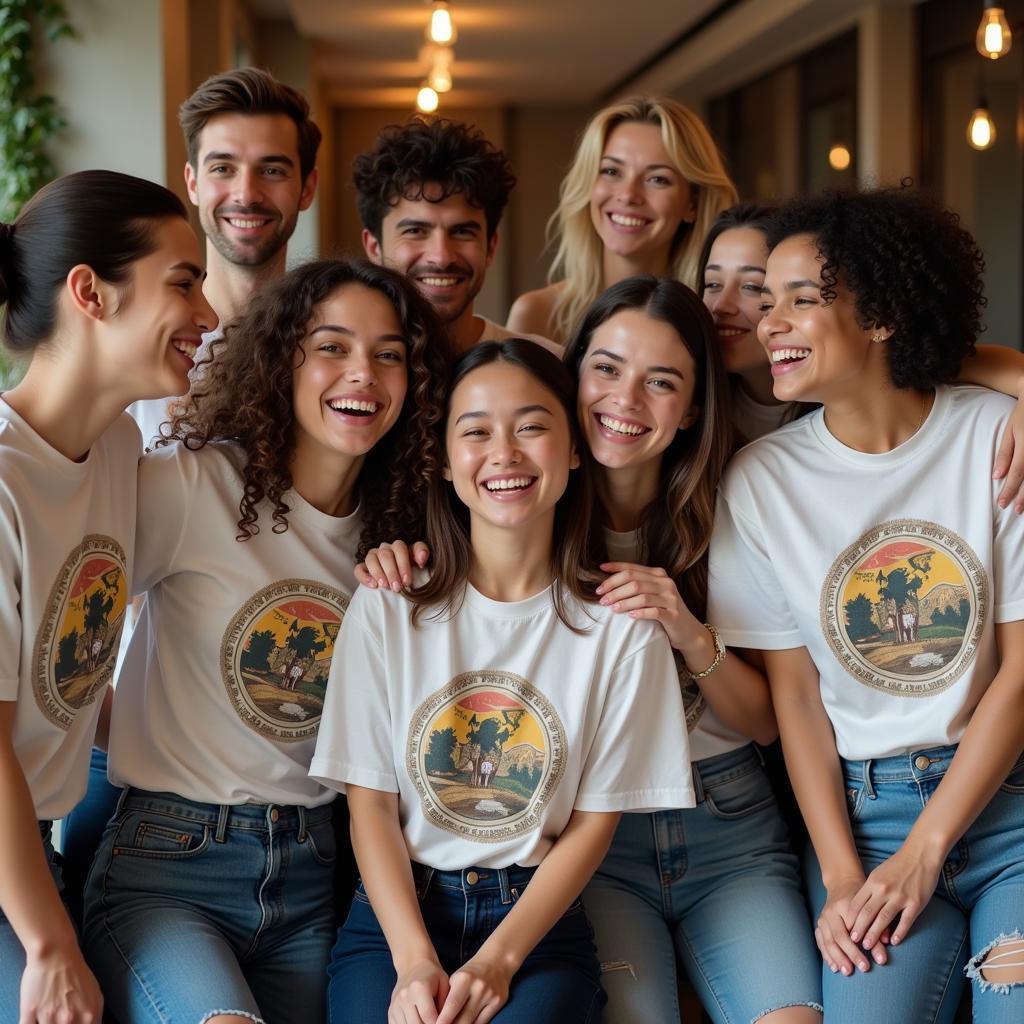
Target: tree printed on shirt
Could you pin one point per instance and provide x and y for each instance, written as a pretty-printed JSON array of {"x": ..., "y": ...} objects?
[
  {"x": 304, "y": 642},
  {"x": 860, "y": 618},
  {"x": 256, "y": 656},
  {"x": 440, "y": 756}
]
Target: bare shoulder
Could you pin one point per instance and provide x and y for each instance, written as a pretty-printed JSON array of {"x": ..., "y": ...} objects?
[{"x": 531, "y": 312}]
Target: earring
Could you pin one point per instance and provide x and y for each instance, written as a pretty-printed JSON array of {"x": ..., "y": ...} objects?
[{"x": 877, "y": 337}]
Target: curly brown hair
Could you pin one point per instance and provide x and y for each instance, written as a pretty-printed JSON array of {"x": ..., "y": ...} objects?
[{"x": 243, "y": 395}]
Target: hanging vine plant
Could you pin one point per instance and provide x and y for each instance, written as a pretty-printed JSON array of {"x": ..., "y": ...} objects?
[{"x": 27, "y": 121}]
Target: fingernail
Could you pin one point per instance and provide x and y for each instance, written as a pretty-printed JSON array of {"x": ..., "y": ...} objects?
[
  {"x": 405, "y": 579},
  {"x": 833, "y": 968},
  {"x": 863, "y": 965},
  {"x": 846, "y": 971},
  {"x": 617, "y": 607},
  {"x": 604, "y": 600},
  {"x": 854, "y": 936},
  {"x": 633, "y": 615},
  {"x": 396, "y": 586}
]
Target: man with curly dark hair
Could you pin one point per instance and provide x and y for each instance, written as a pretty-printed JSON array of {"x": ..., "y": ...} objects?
[
  {"x": 431, "y": 194},
  {"x": 864, "y": 550}
]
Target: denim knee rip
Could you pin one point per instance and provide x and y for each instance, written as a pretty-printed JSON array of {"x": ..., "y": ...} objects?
[
  {"x": 612, "y": 966},
  {"x": 786, "y": 1006},
  {"x": 244, "y": 1014},
  {"x": 1012, "y": 956}
]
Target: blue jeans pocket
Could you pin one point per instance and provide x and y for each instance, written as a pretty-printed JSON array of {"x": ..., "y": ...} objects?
[
  {"x": 740, "y": 795},
  {"x": 322, "y": 843},
  {"x": 160, "y": 837}
]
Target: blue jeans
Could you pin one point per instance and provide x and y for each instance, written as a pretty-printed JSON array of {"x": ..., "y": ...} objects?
[
  {"x": 12, "y": 954},
  {"x": 715, "y": 889},
  {"x": 193, "y": 908},
  {"x": 83, "y": 830},
  {"x": 978, "y": 900},
  {"x": 558, "y": 982}
]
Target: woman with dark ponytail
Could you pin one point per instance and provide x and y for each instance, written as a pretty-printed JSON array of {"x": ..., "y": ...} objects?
[{"x": 101, "y": 282}]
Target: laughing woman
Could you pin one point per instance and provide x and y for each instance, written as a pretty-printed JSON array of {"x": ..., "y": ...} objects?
[
  {"x": 492, "y": 728},
  {"x": 100, "y": 277},
  {"x": 210, "y": 896},
  {"x": 864, "y": 549}
]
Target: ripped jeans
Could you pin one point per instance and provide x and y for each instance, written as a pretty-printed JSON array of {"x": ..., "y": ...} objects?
[{"x": 978, "y": 903}]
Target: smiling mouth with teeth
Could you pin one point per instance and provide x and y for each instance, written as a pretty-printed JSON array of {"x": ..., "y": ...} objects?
[
  {"x": 789, "y": 355},
  {"x": 621, "y": 427},
  {"x": 440, "y": 282},
  {"x": 353, "y": 407},
  {"x": 246, "y": 223},
  {"x": 515, "y": 483},
  {"x": 186, "y": 348},
  {"x": 626, "y": 221}
]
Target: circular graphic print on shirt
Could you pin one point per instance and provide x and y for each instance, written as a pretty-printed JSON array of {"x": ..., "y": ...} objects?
[
  {"x": 276, "y": 656},
  {"x": 486, "y": 753},
  {"x": 904, "y": 607},
  {"x": 76, "y": 646},
  {"x": 693, "y": 699}
]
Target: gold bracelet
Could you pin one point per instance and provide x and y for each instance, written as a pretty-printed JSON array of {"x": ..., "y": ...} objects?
[{"x": 719, "y": 654}]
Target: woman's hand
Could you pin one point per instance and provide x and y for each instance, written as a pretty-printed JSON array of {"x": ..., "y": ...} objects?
[
  {"x": 1009, "y": 464},
  {"x": 58, "y": 988},
  {"x": 899, "y": 887},
  {"x": 650, "y": 593},
  {"x": 479, "y": 989},
  {"x": 832, "y": 932},
  {"x": 421, "y": 990},
  {"x": 391, "y": 565}
]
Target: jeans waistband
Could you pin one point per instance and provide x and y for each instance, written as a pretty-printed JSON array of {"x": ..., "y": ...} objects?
[
  {"x": 474, "y": 881},
  {"x": 255, "y": 817},
  {"x": 710, "y": 771},
  {"x": 913, "y": 766}
]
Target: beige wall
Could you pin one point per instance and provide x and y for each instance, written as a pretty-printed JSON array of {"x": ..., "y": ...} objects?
[{"x": 109, "y": 85}]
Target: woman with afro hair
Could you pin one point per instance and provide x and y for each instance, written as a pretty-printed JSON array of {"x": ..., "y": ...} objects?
[{"x": 863, "y": 549}]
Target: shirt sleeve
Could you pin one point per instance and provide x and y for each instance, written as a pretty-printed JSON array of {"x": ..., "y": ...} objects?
[
  {"x": 745, "y": 600},
  {"x": 1008, "y": 558},
  {"x": 639, "y": 757},
  {"x": 167, "y": 488},
  {"x": 354, "y": 743},
  {"x": 10, "y": 601}
]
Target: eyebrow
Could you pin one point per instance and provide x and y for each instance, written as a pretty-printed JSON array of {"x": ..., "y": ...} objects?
[
  {"x": 522, "y": 411},
  {"x": 271, "y": 158},
  {"x": 650, "y": 369},
  {"x": 649, "y": 167},
  {"x": 791, "y": 286},
  {"x": 349, "y": 333},
  {"x": 190, "y": 267},
  {"x": 742, "y": 270},
  {"x": 412, "y": 222}
]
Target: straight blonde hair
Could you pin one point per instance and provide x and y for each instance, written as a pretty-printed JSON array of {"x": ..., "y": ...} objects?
[{"x": 578, "y": 257}]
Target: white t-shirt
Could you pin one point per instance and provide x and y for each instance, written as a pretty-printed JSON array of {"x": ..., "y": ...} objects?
[
  {"x": 708, "y": 734},
  {"x": 591, "y": 721},
  {"x": 151, "y": 413},
  {"x": 495, "y": 332},
  {"x": 219, "y": 694},
  {"x": 67, "y": 535},
  {"x": 891, "y": 569}
]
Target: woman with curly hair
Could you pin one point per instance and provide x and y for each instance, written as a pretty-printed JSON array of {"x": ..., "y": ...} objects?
[
  {"x": 644, "y": 187},
  {"x": 211, "y": 894},
  {"x": 863, "y": 549}
]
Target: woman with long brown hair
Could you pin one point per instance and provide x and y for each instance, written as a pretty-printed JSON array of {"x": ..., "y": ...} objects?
[
  {"x": 303, "y": 437},
  {"x": 484, "y": 728}
]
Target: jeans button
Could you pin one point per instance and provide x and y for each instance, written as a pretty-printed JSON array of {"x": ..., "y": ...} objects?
[
  {"x": 275, "y": 814},
  {"x": 921, "y": 762},
  {"x": 472, "y": 877}
]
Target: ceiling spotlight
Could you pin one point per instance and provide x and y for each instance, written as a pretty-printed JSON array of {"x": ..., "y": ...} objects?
[
  {"x": 441, "y": 28},
  {"x": 427, "y": 99}
]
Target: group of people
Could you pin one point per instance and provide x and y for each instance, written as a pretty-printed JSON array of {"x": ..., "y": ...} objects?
[{"x": 534, "y": 598}]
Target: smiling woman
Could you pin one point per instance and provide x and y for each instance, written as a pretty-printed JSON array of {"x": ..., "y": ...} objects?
[{"x": 305, "y": 436}]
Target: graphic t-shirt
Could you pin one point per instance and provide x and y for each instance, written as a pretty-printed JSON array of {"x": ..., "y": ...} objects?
[
  {"x": 708, "y": 734},
  {"x": 67, "y": 534},
  {"x": 891, "y": 569},
  {"x": 220, "y": 691},
  {"x": 494, "y": 724}
]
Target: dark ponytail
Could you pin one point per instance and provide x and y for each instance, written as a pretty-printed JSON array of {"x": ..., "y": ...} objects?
[{"x": 102, "y": 219}]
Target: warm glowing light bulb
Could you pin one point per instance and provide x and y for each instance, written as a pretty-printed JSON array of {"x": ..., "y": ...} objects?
[
  {"x": 427, "y": 99},
  {"x": 441, "y": 28},
  {"x": 993, "y": 37},
  {"x": 440, "y": 60},
  {"x": 440, "y": 78},
  {"x": 839, "y": 157},
  {"x": 981, "y": 131}
]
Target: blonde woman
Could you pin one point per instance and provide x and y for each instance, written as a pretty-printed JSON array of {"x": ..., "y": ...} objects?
[{"x": 646, "y": 184}]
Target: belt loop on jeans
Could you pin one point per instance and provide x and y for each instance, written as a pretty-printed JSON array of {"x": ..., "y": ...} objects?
[
  {"x": 424, "y": 883},
  {"x": 698, "y": 784},
  {"x": 223, "y": 813},
  {"x": 868, "y": 788},
  {"x": 506, "y": 889},
  {"x": 302, "y": 824},
  {"x": 121, "y": 797}
]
